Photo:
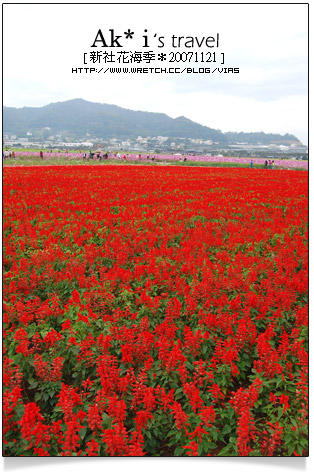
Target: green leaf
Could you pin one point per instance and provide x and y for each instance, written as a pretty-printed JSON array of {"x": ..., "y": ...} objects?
[
  {"x": 105, "y": 417},
  {"x": 20, "y": 411},
  {"x": 304, "y": 443},
  {"x": 288, "y": 438},
  {"x": 89, "y": 437},
  {"x": 226, "y": 429},
  {"x": 83, "y": 433},
  {"x": 37, "y": 396},
  {"x": 278, "y": 383},
  {"x": 227, "y": 450},
  {"x": 45, "y": 396},
  {"x": 290, "y": 450},
  {"x": 178, "y": 451},
  {"x": 294, "y": 422}
]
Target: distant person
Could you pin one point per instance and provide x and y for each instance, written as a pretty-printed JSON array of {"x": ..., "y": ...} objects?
[
  {"x": 251, "y": 164},
  {"x": 273, "y": 164},
  {"x": 270, "y": 165},
  {"x": 266, "y": 164},
  {"x": 41, "y": 155}
]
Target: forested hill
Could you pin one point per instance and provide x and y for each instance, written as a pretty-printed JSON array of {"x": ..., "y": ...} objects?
[{"x": 81, "y": 118}]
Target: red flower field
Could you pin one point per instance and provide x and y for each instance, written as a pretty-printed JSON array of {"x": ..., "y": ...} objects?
[{"x": 158, "y": 311}]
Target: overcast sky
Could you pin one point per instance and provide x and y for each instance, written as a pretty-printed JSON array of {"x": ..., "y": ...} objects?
[{"x": 268, "y": 43}]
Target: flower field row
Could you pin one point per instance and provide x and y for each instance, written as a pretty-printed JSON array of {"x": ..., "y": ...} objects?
[
  {"x": 74, "y": 156},
  {"x": 158, "y": 311}
]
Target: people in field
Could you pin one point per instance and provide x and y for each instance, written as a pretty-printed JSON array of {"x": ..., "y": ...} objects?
[
  {"x": 266, "y": 164},
  {"x": 251, "y": 164},
  {"x": 41, "y": 155}
]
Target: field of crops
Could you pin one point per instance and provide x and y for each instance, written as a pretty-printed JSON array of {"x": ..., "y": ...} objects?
[
  {"x": 158, "y": 311},
  {"x": 33, "y": 158}
]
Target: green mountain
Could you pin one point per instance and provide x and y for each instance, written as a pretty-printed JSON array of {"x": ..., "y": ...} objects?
[{"x": 79, "y": 117}]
